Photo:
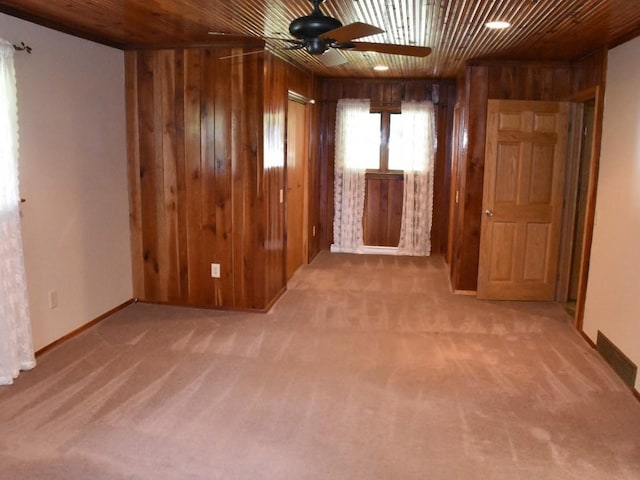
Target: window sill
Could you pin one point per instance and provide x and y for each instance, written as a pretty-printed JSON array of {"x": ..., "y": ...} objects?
[{"x": 375, "y": 174}]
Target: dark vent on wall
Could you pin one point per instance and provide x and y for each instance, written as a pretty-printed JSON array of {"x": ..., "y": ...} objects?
[{"x": 624, "y": 367}]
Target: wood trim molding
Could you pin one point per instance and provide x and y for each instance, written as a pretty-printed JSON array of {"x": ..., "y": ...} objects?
[
  {"x": 274, "y": 301},
  {"x": 83, "y": 328},
  {"x": 586, "y": 338},
  {"x": 591, "y": 202},
  {"x": 470, "y": 293},
  {"x": 584, "y": 95},
  {"x": 216, "y": 308},
  {"x": 572, "y": 177},
  {"x": 376, "y": 174}
]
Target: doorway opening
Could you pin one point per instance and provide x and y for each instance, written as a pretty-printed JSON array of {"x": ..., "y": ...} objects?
[
  {"x": 576, "y": 234},
  {"x": 581, "y": 199},
  {"x": 296, "y": 180}
]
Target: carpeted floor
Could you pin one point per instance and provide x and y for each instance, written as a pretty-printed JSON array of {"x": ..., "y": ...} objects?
[{"x": 367, "y": 368}]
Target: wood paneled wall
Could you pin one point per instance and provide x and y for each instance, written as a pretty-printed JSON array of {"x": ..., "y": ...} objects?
[
  {"x": 280, "y": 78},
  {"x": 207, "y": 144},
  {"x": 386, "y": 93},
  {"x": 199, "y": 189},
  {"x": 316, "y": 192},
  {"x": 383, "y": 210},
  {"x": 275, "y": 126},
  {"x": 588, "y": 72},
  {"x": 489, "y": 80}
]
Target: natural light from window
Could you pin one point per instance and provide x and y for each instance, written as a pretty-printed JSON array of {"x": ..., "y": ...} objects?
[
  {"x": 402, "y": 141},
  {"x": 363, "y": 148}
]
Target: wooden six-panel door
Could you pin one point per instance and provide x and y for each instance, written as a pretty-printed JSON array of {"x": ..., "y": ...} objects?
[{"x": 522, "y": 199}]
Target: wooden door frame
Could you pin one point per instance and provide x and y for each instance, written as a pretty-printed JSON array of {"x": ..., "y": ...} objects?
[
  {"x": 572, "y": 178},
  {"x": 595, "y": 94},
  {"x": 293, "y": 96},
  {"x": 453, "y": 185}
]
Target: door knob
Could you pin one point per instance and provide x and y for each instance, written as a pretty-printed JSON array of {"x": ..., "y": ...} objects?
[{"x": 488, "y": 213}]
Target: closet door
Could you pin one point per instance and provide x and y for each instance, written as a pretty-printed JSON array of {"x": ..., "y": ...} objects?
[
  {"x": 297, "y": 204},
  {"x": 522, "y": 199}
]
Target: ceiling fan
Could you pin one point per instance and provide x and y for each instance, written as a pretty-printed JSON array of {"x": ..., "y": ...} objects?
[
  {"x": 322, "y": 35},
  {"x": 318, "y": 33}
]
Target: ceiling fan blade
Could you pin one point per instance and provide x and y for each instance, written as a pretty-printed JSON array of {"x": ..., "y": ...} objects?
[
  {"x": 408, "y": 50},
  {"x": 351, "y": 32},
  {"x": 280, "y": 39},
  {"x": 243, "y": 54},
  {"x": 331, "y": 58}
]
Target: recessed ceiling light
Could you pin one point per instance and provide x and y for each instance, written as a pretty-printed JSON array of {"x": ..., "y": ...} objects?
[
  {"x": 381, "y": 68},
  {"x": 497, "y": 24}
]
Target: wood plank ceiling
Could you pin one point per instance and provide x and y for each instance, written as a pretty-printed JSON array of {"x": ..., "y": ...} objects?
[{"x": 454, "y": 29}]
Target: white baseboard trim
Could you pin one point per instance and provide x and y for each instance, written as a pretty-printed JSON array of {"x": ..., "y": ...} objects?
[
  {"x": 380, "y": 250},
  {"x": 366, "y": 250}
]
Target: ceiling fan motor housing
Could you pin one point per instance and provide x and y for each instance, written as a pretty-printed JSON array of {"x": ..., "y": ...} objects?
[{"x": 310, "y": 27}]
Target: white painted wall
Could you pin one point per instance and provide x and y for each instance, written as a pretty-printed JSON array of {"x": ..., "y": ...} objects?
[
  {"x": 613, "y": 293},
  {"x": 75, "y": 223}
]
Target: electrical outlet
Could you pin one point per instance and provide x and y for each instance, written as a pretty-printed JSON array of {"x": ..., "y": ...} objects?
[
  {"x": 215, "y": 270},
  {"x": 53, "y": 299}
]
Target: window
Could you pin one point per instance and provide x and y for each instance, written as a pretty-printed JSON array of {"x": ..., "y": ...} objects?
[
  {"x": 363, "y": 147},
  {"x": 368, "y": 143},
  {"x": 384, "y": 141},
  {"x": 404, "y": 144}
]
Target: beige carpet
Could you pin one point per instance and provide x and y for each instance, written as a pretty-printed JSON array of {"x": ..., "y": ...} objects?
[{"x": 367, "y": 368}]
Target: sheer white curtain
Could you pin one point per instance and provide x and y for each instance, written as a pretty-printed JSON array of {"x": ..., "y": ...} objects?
[
  {"x": 413, "y": 142},
  {"x": 16, "y": 348},
  {"x": 357, "y": 142}
]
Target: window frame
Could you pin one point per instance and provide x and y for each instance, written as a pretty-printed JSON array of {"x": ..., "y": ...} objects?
[{"x": 385, "y": 131}]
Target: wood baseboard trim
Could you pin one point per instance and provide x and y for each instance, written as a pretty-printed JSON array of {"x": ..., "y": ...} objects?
[
  {"x": 215, "y": 307},
  {"x": 275, "y": 300},
  {"x": 586, "y": 338},
  {"x": 84, "y": 327},
  {"x": 471, "y": 293}
]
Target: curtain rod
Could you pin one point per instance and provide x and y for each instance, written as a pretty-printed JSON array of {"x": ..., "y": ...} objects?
[{"x": 22, "y": 47}]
